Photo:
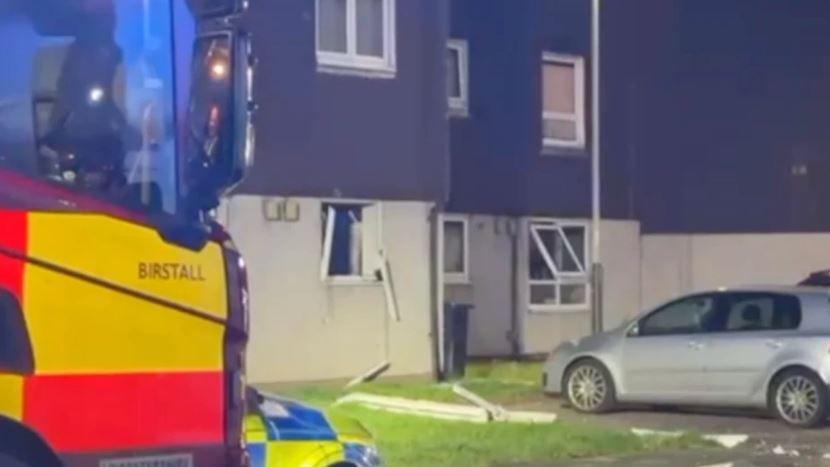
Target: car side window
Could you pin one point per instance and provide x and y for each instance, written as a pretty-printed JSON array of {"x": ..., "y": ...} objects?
[
  {"x": 690, "y": 315},
  {"x": 760, "y": 312}
]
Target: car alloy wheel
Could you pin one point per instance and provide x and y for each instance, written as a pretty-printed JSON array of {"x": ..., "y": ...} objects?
[
  {"x": 588, "y": 388},
  {"x": 797, "y": 399},
  {"x": 800, "y": 398}
]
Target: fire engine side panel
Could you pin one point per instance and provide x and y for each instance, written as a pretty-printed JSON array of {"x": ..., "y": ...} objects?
[
  {"x": 12, "y": 236},
  {"x": 117, "y": 251},
  {"x": 115, "y": 372},
  {"x": 11, "y": 396}
]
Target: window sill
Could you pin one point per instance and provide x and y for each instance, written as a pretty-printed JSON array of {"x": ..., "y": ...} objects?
[
  {"x": 355, "y": 281},
  {"x": 357, "y": 71},
  {"x": 565, "y": 151},
  {"x": 458, "y": 112},
  {"x": 558, "y": 309},
  {"x": 450, "y": 279}
]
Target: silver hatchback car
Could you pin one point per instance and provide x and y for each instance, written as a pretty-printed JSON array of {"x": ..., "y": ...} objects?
[{"x": 755, "y": 347}]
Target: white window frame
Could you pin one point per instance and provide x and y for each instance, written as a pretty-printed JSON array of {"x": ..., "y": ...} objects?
[
  {"x": 460, "y": 106},
  {"x": 578, "y": 117},
  {"x": 464, "y": 276},
  {"x": 338, "y": 62},
  {"x": 581, "y": 277},
  {"x": 371, "y": 252}
]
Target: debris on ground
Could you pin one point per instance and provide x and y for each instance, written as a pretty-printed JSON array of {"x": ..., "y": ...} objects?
[
  {"x": 780, "y": 451},
  {"x": 482, "y": 412},
  {"x": 727, "y": 441},
  {"x": 658, "y": 433},
  {"x": 370, "y": 375}
]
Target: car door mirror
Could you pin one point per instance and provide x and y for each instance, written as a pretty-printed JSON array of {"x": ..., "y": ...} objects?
[{"x": 633, "y": 331}]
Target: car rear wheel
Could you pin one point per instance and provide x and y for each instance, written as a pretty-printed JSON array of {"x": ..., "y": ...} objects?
[
  {"x": 589, "y": 387},
  {"x": 800, "y": 398}
]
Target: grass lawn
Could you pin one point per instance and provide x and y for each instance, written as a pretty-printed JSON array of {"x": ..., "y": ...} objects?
[
  {"x": 409, "y": 441},
  {"x": 503, "y": 383}
]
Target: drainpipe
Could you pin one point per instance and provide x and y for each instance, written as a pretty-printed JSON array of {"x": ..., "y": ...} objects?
[
  {"x": 437, "y": 283},
  {"x": 596, "y": 212},
  {"x": 512, "y": 226}
]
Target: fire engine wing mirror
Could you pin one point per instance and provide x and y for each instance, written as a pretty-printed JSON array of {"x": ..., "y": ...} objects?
[
  {"x": 219, "y": 121},
  {"x": 217, "y": 8},
  {"x": 192, "y": 236}
]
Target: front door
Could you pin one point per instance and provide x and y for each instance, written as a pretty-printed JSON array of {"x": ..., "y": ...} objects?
[{"x": 663, "y": 354}]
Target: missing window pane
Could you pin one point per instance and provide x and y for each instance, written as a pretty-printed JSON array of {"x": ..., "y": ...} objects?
[
  {"x": 370, "y": 27},
  {"x": 332, "y": 25},
  {"x": 576, "y": 240},
  {"x": 346, "y": 244},
  {"x": 560, "y": 249},
  {"x": 454, "y": 248},
  {"x": 539, "y": 269},
  {"x": 576, "y": 237}
]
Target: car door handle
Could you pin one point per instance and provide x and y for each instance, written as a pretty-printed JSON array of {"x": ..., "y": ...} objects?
[{"x": 774, "y": 344}]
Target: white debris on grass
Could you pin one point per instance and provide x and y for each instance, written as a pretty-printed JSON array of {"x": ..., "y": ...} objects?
[
  {"x": 417, "y": 407},
  {"x": 368, "y": 376},
  {"x": 727, "y": 441},
  {"x": 781, "y": 451},
  {"x": 500, "y": 414},
  {"x": 446, "y": 411},
  {"x": 658, "y": 433},
  {"x": 495, "y": 412},
  {"x": 514, "y": 416}
]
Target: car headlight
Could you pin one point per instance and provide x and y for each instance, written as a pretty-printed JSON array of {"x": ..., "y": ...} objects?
[{"x": 363, "y": 455}]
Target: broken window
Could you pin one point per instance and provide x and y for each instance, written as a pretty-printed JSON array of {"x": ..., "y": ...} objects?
[
  {"x": 349, "y": 241},
  {"x": 558, "y": 259}
]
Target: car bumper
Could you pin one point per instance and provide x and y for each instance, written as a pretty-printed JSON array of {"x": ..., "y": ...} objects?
[
  {"x": 553, "y": 371},
  {"x": 824, "y": 370}
]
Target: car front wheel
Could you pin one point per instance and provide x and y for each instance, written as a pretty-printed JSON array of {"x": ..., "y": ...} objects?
[
  {"x": 800, "y": 398},
  {"x": 589, "y": 387}
]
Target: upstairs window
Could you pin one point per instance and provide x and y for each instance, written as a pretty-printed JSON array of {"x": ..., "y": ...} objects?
[
  {"x": 458, "y": 77},
  {"x": 356, "y": 34},
  {"x": 563, "y": 101}
]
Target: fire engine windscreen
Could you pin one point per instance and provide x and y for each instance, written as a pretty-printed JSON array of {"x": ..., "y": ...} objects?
[{"x": 87, "y": 97}]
